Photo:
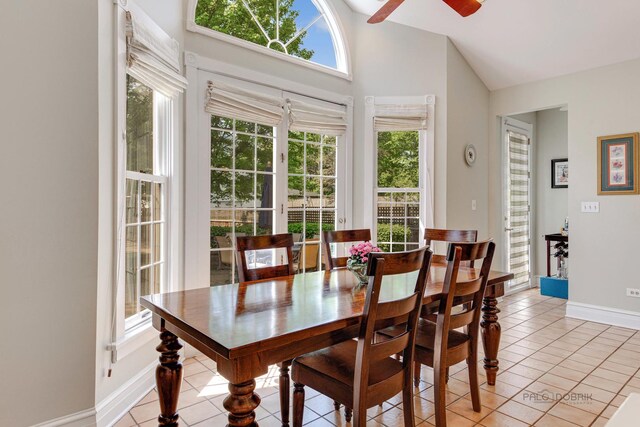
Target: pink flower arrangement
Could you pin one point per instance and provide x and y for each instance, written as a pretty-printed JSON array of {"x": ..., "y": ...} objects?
[{"x": 360, "y": 252}]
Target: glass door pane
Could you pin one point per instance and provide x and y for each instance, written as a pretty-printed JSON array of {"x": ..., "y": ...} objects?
[
  {"x": 311, "y": 195},
  {"x": 242, "y": 193}
]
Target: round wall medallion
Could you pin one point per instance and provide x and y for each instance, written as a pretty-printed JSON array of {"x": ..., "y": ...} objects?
[{"x": 470, "y": 154}]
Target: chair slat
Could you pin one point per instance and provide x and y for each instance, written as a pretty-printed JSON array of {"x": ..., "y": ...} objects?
[
  {"x": 389, "y": 348},
  {"x": 468, "y": 288},
  {"x": 396, "y": 308},
  {"x": 461, "y": 319}
]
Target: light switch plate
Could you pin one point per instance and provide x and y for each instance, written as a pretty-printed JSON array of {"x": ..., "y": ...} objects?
[
  {"x": 590, "y": 207},
  {"x": 474, "y": 205}
]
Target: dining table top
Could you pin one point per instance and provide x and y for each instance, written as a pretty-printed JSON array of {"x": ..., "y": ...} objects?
[{"x": 239, "y": 319}]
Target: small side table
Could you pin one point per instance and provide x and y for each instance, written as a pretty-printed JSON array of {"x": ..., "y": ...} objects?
[{"x": 555, "y": 237}]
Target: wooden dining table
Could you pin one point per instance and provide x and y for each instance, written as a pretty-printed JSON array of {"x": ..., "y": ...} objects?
[{"x": 247, "y": 327}]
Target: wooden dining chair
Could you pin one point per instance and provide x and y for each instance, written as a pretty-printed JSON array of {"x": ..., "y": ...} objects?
[
  {"x": 440, "y": 344},
  {"x": 245, "y": 274},
  {"x": 442, "y": 235},
  {"x": 257, "y": 243},
  {"x": 341, "y": 236},
  {"x": 362, "y": 374}
]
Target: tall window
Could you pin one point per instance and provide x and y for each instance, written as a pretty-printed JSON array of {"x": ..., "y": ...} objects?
[
  {"x": 303, "y": 29},
  {"x": 242, "y": 155},
  {"x": 398, "y": 190},
  {"x": 146, "y": 182},
  {"x": 311, "y": 194}
]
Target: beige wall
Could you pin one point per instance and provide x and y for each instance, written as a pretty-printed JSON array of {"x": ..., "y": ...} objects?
[
  {"x": 49, "y": 210},
  {"x": 467, "y": 123},
  {"x": 602, "y": 101}
]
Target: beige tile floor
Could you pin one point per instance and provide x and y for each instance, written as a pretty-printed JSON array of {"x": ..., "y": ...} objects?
[{"x": 555, "y": 371}]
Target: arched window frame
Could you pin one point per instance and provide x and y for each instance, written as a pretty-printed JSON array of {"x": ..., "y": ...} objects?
[{"x": 340, "y": 45}]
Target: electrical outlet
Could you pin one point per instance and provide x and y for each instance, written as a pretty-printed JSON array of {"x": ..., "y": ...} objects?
[
  {"x": 633, "y": 292},
  {"x": 474, "y": 206}
]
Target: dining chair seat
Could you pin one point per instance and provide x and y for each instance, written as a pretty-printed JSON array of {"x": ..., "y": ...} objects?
[{"x": 333, "y": 369}]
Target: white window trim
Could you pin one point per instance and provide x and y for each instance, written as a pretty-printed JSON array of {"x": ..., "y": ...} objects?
[
  {"x": 427, "y": 151},
  {"x": 199, "y": 71},
  {"x": 126, "y": 338},
  {"x": 341, "y": 47}
]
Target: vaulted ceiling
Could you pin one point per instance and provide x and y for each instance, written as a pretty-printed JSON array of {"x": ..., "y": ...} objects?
[{"x": 509, "y": 42}]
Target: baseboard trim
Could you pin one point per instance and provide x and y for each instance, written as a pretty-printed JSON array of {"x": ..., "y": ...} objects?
[
  {"x": 606, "y": 315},
  {"x": 118, "y": 403},
  {"x": 79, "y": 419}
]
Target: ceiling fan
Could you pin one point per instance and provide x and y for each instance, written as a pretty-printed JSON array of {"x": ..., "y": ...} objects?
[{"x": 463, "y": 7}]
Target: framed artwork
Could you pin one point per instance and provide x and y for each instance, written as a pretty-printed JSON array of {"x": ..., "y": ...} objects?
[
  {"x": 618, "y": 164},
  {"x": 559, "y": 173}
]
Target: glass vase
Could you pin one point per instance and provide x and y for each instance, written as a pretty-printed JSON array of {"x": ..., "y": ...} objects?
[{"x": 359, "y": 270}]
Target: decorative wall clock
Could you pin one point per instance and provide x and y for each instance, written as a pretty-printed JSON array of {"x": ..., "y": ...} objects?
[{"x": 470, "y": 154}]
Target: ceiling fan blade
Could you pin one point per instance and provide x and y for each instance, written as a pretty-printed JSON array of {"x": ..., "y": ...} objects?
[
  {"x": 385, "y": 11},
  {"x": 464, "y": 7}
]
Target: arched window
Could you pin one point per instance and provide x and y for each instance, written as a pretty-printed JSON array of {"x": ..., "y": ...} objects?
[{"x": 306, "y": 30}]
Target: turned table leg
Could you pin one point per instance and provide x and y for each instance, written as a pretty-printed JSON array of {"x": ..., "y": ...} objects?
[
  {"x": 241, "y": 403},
  {"x": 283, "y": 388},
  {"x": 168, "y": 379},
  {"x": 490, "y": 329}
]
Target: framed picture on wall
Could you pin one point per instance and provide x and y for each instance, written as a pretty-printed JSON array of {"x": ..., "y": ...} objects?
[
  {"x": 618, "y": 164},
  {"x": 559, "y": 173}
]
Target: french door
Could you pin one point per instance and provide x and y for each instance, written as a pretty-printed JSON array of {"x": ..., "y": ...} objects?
[
  {"x": 268, "y": 180},
  {"x": 517, "y": 201}
]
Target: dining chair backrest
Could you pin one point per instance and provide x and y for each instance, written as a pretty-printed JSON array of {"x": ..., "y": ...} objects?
[
  {"x": 256, "y": 243},
  {"x": 442, "y": 235},
  {"x": 341, "y": 236},
  {"x": 466, "y": 293},
  {"x": 405, "y": 311}
]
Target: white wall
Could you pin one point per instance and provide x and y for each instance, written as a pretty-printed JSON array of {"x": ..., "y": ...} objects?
[
  {"x": 552, "y": 204},
  {"x": 467, "y": 123},
  {"x": 49, "y": 211},
  {"x": 602, "y": 101}
]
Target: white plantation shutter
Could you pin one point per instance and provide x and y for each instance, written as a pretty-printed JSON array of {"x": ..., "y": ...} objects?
[
  {"x": 306, "y": 117},
  {"x": 230, "y": 101},
  {"x": 519, "y": 202},
  {"x": 152, "y": 55},
  {"x": 389, "y": 118}
]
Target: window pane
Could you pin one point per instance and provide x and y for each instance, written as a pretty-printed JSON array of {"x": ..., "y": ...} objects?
[
  {"x": 145, "y": 245},
  {"x": 145, "y": 202},
  {"x": 244, "y": 190},
  {"x": 221, "y": 189},
  {"x": 296, "y": 157},
  {"x": 145, "y": 281},
  {"x": 221, "y": 149},
  {"x": 296, "y": 192},
  {"x": 157, "y": 202},
  {"x": 131, "y": 271},
  {"x": 132, "y": 201},
  {"x": 139, "y": 126},
  {"x": 398, "y": 159},
  {"x": 265, "y": 154},
  {"x": 328, "y": 193},
  {"x": 157, "y": 239},
  {"x": 328, "y": 160},
  {"x": 247, "y": 127},
  {"x": 245, "y": 154},
  {"x": 312, "y": 193},
  {"x": 313, "y": 159},
  {"x": 221, "y": 122},
  {"x": 244, "y": 222},
  {"x": 157, "y": 275}
]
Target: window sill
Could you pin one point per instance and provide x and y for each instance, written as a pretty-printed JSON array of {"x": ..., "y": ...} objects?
[{"x": 133, "y": 339}]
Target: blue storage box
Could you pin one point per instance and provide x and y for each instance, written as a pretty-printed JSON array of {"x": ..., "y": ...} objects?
[{"x": 554, "y": 287}]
